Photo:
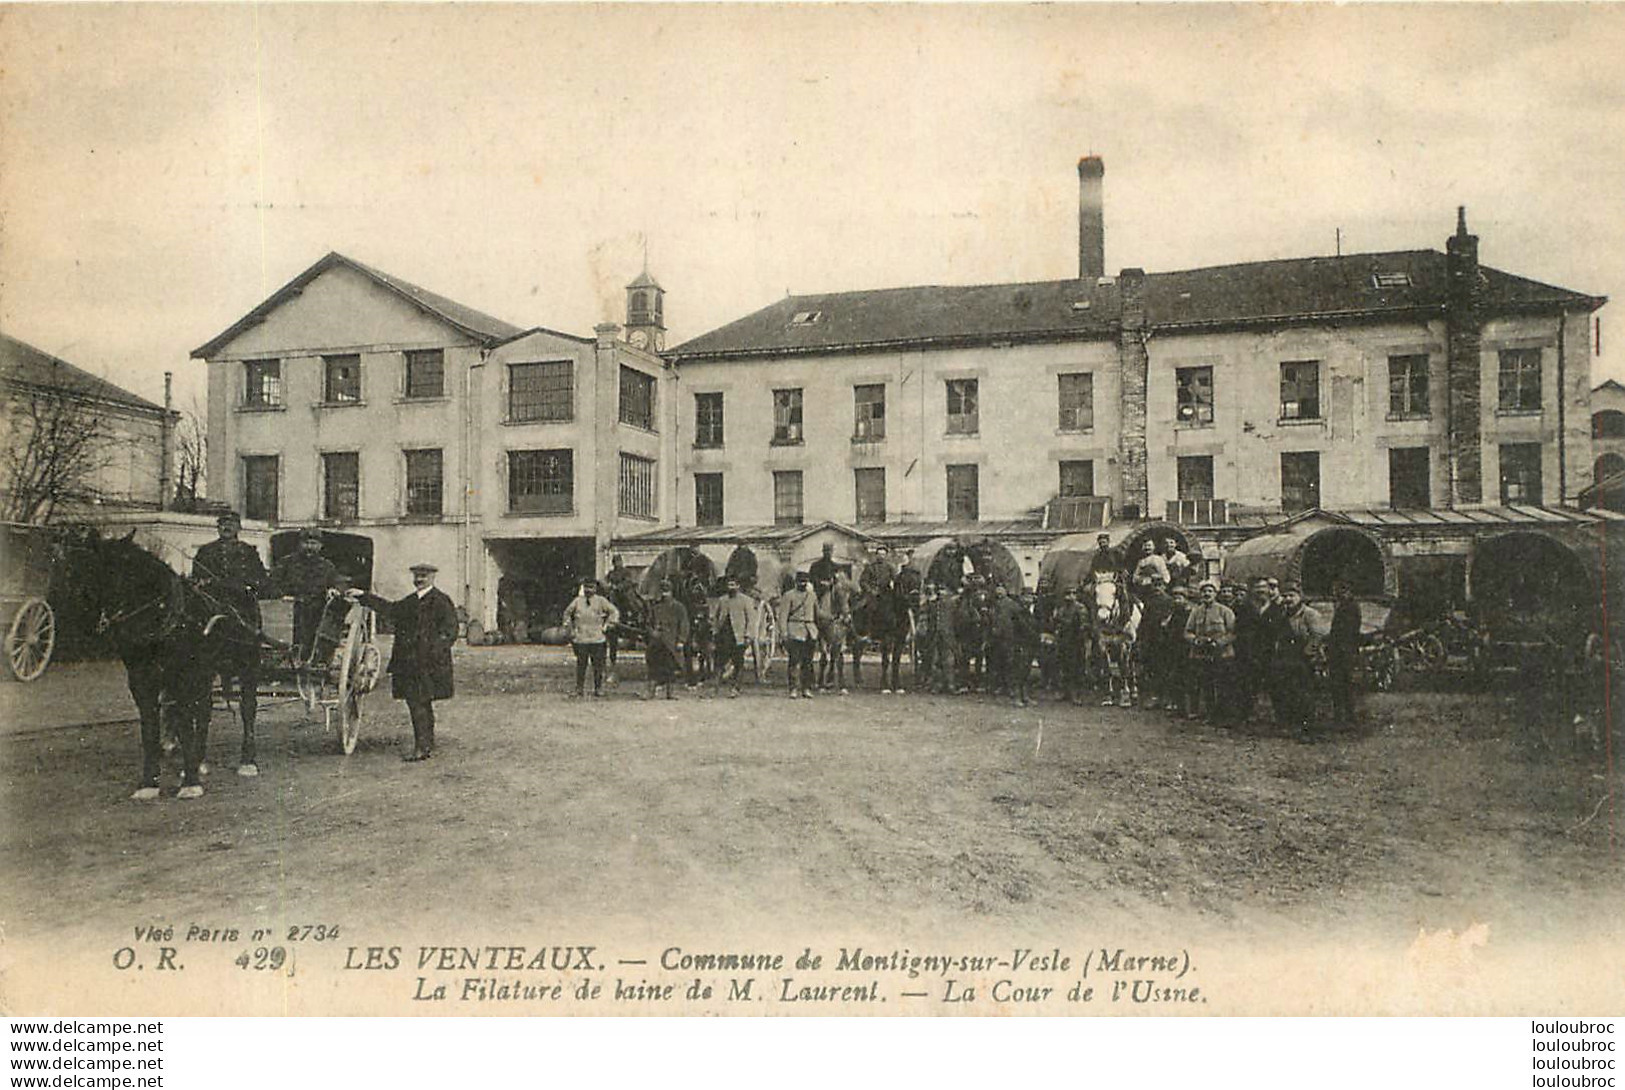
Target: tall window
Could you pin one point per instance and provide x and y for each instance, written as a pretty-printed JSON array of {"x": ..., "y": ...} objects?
[
  {"x": 963, "y": 415},
  {"x": 637, "y": 486},
  {"x": 1520, "y": 473},
  {"x": 1300, "y": 480},
  {"x": 1408, "y": 485},
  {"x": 1077, "y": 479},
  {"x": 1608, "y": 424},
  {"x": 426, "y": 373},
  {"x": 964, "y": 497},
  {"x": 869, "y": 412},
  {"x": 425, "y": 482},
  {"x": 341, "y": 378},
  {"x": 260, "y": 487},
  {"x": 1077, "y": 400},
  {"x": 263, "y": 389},
  {"x": 870, "y": 487},
  {"x": 708, "y": 420},
  {"x": 541, "y": 482},
  {"x": 637, "y": 398},
  {"x": 708, "y": 499},
  {"x": 1408, "y": 385},
  {"x": 541, "y": 392},
  {"x": 787, "y": 416},
  {"x": 341, "y": 486},
  {"x": 1300, "y": 390},
  {"x": 787, "y": 497},
  {"x": 1520, "y": 380},
  {"x": 1195, "y": 477},
  {"x": 1194, "y": 389}
]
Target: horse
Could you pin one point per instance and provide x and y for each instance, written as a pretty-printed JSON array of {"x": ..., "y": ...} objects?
[
  {"x": 885, "y": 617},
  {"x": 834, "y": 635},
  {"x": 694, "y": 591},
  {"x": 173, "y": 638},
  {"x": 634, "y": 623},
  {"x": 1114, "y": 623}
]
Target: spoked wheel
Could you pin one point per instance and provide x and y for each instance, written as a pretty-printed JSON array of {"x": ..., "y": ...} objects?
[
  {"x": 358, "y": 672},
  {"x": 31, "y": 639}
]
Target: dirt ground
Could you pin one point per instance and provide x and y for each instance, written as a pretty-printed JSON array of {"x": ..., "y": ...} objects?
[{"x": 871, "y": 814}]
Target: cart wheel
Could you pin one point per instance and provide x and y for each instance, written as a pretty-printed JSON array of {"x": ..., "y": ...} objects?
[
  {"x": 352, "y": 685},
  {"x": 31, "y": 639}
]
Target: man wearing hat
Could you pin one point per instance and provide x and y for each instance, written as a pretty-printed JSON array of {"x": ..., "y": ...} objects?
[
  {"x": 1296, "y": 630},
  {"x": 800, "y": 628},
  {"x": 589, "y": 618},
  {"x": 668, "y": 632},
  {"x": 1106, "y": 558},
  {"x": 306, "y": 576},
  {"x": 733, "y": 617},
  {"x": 425, "y": 624},
  {"x": 1210, "y": 633},
  {"x": 231, "y": 571},
  {"x": 878, "y": 573}
]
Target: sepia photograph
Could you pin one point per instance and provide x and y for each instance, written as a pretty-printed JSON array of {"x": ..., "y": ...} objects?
[{"x": 806, "y": 510}]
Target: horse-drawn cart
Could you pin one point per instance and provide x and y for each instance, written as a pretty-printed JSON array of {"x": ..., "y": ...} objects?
[
  {"x": 26, "y": 565},
  {"x": 340, "y": 663}
]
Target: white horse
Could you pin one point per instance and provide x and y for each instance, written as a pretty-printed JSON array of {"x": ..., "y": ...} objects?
[{"x": 1115, "y": 625}]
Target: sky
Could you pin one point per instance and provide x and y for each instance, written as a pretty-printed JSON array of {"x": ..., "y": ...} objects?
[{"x": 164, "y": 168}]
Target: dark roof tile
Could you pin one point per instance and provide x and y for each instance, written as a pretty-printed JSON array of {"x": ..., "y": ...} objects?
[
  {"x": 1397, "y": 283},
  {"x": 22, "y": 362}
]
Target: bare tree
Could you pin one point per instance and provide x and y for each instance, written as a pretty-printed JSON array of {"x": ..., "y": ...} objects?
[
  {"x": 55, "y": 445},
  {"x": 191, "y": 456}
]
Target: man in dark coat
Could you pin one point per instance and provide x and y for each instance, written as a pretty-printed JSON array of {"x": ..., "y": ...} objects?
[
  {"x": 231, "y": 571},
  {"x": 668, "y": 633},
  {"x": 306, "y": 576},
  {"x": 1255, "y": 647},
  {"x": 824, "y": 568},
  {"x": 1342, "y": 649},
  {"x": 1106, "y": 558},
  {"x": 425, "y": 624}
]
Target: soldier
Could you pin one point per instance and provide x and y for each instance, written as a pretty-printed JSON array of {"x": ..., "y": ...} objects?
[
  {"x": 878, "y": 573},
  {"x": 1294, "y": 627},
  {"x": 589, "y": 618},
  {"x": 800, "y": 628},
  {"x": 1150, "y": 567},
  {"x": 620, "y": 584},
  {"x": 824, "y": 568},
  {"x": 940, "y": 658},
  {"x": 1175, "y": 665},
  {"x": 732, "y": 617},
  {"x": 668, "y": 632},
  {"x": 425, "y": 623},
  {"x": 1178, "y": 563},
  {"x": 306, "y": 576},
  {"x": 1254, "y": 648},
  {"x": 1023, "y": 648},
  {"x": 1106, "y": 558},
  {"x": 1158, "y": 654},
  {"x": 1001, "y": 640},
  {"x": 1210, "y": 633},
  {"x": 1070, "y": 632},
  {"x": 231, "y": 571},
  {"x": 1342, "y": 648}
]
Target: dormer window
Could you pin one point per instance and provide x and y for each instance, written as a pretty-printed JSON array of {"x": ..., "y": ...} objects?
[
  {"x": 1391, "y": 280},
  {"x": 807, "y": 317}
]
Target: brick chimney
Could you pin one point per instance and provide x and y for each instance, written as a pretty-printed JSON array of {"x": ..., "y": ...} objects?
[
  {"x": 1091, "y": 218},
  {"x": 1463, "y": 367},
  {"x": 1133, "y": 361}
]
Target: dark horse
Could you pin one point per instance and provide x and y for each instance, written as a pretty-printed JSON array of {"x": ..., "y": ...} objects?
[
  {"x": 884, "y": 617},
  {"x": 172, "y": 638}
]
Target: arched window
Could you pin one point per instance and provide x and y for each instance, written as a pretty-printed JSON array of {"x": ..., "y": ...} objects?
[
  {"x": 1607, "y": 466},
  {"x": 1608, "y": 424}
]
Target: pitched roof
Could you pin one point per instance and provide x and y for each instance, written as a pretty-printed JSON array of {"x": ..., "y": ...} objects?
[
  {"x": 1607, "y": 384},
  {"x": 1395, "y": 284},
  {"x": 23, "y": 363},
  {"x": 467, "y": 319}
]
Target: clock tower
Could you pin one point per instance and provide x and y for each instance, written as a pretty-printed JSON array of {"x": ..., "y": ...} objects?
[{"x": 646, "y": 313}]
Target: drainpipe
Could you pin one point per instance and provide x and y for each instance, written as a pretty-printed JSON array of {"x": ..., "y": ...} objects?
[
  {"x": 468, "y": 472},
  {"x": 166, "y": 434},
  {"x": 1562, "y": 397}
]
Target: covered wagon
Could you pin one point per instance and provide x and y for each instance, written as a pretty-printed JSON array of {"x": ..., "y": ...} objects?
[
  {"x": 1316, "y": 553},
  {"x": 946, "y": 561}
]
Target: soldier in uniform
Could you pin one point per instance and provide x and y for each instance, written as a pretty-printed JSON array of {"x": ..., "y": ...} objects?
[
  {"x": 1106, "y": 559},
  {"x": 878, "y": 573},
  {"x": 823, "y": 569},
  {"x": 620, "y": 585},
  {"x": 306, "y": 577},
  {"x": 230, "y": 570},
  {"x": 668, "y": 632},
  {"x": 800, "y": 628}
]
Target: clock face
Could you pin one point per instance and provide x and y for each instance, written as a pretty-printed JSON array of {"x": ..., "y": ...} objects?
[{"x": 639, "y": 338}]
